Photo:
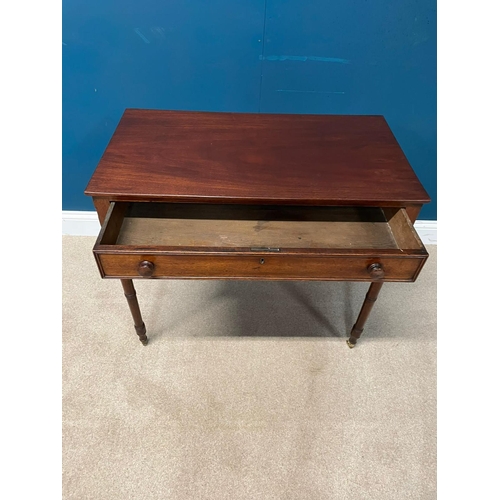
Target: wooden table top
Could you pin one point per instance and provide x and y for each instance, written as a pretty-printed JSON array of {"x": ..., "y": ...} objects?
[{"x": 255, "y": 158}]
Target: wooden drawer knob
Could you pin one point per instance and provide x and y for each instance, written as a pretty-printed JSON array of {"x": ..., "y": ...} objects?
[
  {"x": 146, "y": 268},
  {"x": 376, "y": 271}
]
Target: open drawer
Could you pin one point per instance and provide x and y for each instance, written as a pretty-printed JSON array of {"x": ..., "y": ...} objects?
[{"x": 167, "y": 240}]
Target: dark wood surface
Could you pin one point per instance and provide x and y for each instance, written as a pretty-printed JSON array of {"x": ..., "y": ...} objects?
[
  {"x": 133, "y": 304},
  {"x": 255, "y": 158},
  {"x": 260, "y": 267},
  {"x": 369, "y": 302}
]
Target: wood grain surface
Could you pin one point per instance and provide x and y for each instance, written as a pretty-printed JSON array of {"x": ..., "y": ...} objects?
[
  {"x": 260, "y": 267},
  {"x": 254, "y": 233},
  {"x": 255, "y": 158},
  {"x": 189, "y": 227}
]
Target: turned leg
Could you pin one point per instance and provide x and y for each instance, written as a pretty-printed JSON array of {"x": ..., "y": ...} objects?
[
  {"x": 370, "y": 299},
  {"x": 140, "y": 327}
]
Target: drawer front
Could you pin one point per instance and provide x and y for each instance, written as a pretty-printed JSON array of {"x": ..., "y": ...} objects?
[{"x": 261, "y": 267}]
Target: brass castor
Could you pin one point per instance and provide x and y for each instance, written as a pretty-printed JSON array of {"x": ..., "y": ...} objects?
[
  {"x": 349, "y": 344},
  {"x": 144, "y": 342}
]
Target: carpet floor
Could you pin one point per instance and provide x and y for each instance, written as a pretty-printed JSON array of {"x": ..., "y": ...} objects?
[{"x": 247, "y": 390}]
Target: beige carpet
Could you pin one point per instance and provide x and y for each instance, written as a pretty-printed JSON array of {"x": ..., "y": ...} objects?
[{"x": 246, "y": 390}]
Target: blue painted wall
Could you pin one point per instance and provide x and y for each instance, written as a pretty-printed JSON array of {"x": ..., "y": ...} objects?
[{"x": 277, "y": 56}]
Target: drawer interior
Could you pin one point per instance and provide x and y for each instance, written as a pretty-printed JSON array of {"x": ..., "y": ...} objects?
[{"x": 207, "y": 227}]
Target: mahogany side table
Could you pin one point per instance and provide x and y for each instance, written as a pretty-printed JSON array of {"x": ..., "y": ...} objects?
[{"x": 198, "y": 195}]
